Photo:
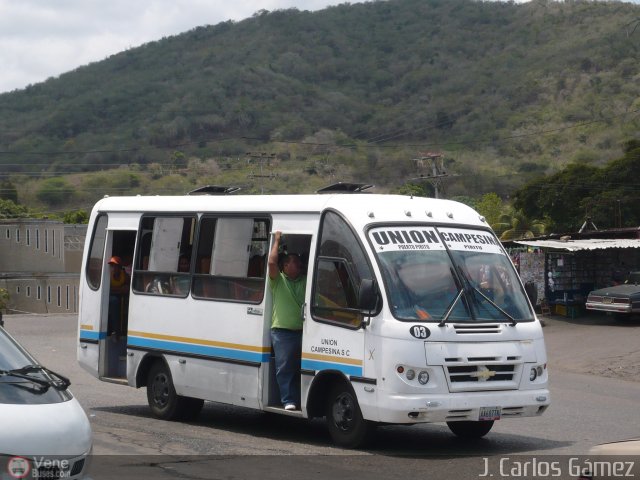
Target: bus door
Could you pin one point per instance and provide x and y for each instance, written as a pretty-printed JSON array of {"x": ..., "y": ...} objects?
[
  {"x": 91, "y": 304},
  {"x": 117, "y": 302},
  {"x": 291, "y": 242},
  {"x": 334, "y": 335}
]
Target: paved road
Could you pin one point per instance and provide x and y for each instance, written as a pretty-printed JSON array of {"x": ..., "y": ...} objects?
[{"x": 231, "y": 442}]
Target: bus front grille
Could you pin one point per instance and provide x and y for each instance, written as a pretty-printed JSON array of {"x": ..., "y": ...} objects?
[{"x": 483, "y": 377}]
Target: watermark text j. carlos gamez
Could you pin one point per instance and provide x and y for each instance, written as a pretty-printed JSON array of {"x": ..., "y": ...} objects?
[{"x": 573, "y": 466}]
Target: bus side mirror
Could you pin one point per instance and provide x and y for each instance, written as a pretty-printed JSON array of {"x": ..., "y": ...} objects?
[{"x": 367, "y": 296}]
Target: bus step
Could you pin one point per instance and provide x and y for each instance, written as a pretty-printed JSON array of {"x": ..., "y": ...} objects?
[
  {"x": 118, "y": 380},
  {"x": 282, "y": 411}
]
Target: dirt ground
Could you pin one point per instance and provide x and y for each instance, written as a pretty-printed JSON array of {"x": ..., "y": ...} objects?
[{"x": 595, "y": 344}]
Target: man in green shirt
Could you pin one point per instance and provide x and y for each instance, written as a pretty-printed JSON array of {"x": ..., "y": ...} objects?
[{"x": 287, "y": 288}]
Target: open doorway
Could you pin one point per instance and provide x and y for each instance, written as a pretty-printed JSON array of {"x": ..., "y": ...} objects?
[
  {"x": 296, "y": 245},
  {"x": 117, "y": 318}
]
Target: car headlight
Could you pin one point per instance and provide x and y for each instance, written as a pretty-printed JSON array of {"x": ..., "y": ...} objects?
[{"x": 423, "y": 377}]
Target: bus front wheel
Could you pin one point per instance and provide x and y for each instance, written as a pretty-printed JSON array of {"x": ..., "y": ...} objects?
[
  {"x": 163, "y": 400},
  {"x": 346, "y": 425},
  {"x": 470, "y": 430}
]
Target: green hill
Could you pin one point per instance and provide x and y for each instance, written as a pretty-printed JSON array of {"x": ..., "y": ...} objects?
[{"x": 353, "y": 92}]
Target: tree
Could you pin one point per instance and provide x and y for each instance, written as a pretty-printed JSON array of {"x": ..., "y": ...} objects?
[
  {"x": 490, "y": 206},
  {"x": 515, "y": 225},
  {"x": 76, "y": 217},
  {"x": 8, "y": 191},
  {"x": 9, "y": 209},
  {"x": 558, "y": 197},
  {"x": 567, "y": 197},
  {"x": 467, "y": 200},
  {"x": 413, "y": 190}
]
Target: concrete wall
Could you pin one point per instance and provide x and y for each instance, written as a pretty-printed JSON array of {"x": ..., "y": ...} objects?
[
  {"x": 40, "y": 263},
  {"x": 45, "y": 293}
]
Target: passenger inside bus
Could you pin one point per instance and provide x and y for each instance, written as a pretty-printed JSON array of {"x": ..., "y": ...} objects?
[
  {"x": 288, "y": 289},
  {"x": 118, "y": 290},
  {"x": 180, "y": 283}
]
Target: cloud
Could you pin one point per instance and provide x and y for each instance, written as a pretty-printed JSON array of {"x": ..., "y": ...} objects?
[{"x": 40, "y": 39}]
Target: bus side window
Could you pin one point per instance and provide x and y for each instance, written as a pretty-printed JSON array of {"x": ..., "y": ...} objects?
[
  {"x": 340, "y": 267},
  {"x": 231, "y": 259},
  {"x": 164, "y": 256},
  {"x": 96, "y": 253}
]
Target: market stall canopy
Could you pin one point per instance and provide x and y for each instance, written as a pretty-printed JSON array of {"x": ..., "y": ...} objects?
[{"x": 583, "y": 244}]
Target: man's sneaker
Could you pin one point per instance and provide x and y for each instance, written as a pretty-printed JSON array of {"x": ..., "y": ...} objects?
[{"x": 290, "y": 406}]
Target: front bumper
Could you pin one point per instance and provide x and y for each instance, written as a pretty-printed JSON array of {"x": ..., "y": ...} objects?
[
  {"x": 461, "y": 406},
  {"x": 610, "y": 307}
]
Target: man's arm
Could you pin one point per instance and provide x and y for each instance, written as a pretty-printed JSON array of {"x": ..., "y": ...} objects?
[{"x": 274, "y": 270}]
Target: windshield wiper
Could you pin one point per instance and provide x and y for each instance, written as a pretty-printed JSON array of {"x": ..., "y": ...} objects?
[
  {"x": 445, "y": 317},
  {"x": 461, "y": 291},
  {"x": 48, "y": 379},
  {"x": 491, "y": 302}
]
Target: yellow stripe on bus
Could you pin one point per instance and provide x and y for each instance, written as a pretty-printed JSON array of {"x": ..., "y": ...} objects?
[
  {"x": 86, "y": 327},
  {"x": 329, "y": 358},
  {"x": 200, "y": 341}
]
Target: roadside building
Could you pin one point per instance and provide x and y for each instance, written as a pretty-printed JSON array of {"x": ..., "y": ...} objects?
[
  {"x": 574, "y": 264},
  {"x": 40, "y": 263}
]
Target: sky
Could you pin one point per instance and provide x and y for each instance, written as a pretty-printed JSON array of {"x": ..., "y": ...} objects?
[{"x": 44, "y": 38}]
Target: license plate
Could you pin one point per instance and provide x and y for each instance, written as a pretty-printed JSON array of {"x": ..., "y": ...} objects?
[
  {"x": 489, "y": 413},
  {"x": 607, "y": 300}
]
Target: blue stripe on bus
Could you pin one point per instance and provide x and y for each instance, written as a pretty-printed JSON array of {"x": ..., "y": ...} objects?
[
  {"x": 89, "y": 335},
  {"x": 317, "y": 365},
  {"x": 197, "y": 349}
]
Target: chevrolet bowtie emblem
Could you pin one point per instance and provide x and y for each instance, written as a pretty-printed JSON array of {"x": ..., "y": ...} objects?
[{"x": 483, "y": 373}]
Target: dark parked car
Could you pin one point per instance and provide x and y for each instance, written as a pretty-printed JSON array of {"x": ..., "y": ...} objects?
[{"x": 621, "y": 299}]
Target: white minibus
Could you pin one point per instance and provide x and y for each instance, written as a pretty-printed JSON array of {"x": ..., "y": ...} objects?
[{"x": 413, "y": 310}]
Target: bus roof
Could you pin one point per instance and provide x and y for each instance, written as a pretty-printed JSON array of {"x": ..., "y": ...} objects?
[{"x": 360, "y": 209}]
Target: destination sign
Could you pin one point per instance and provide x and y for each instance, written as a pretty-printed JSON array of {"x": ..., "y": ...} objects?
[
  {"x": 408, "y": 238},
  {"x": 390, "y": 239},
  {"x": 470, "y": 240}
]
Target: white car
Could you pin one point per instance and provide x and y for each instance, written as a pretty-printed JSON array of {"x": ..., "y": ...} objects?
[{"x": 44, "y": 431}]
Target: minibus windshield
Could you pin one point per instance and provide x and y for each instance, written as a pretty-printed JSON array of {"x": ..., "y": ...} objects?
[{"x": 448, "y": 274}]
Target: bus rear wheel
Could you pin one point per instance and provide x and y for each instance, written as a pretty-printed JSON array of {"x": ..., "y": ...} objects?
[
  {"x": 344, "y": 419},
  {"x": 163, "y": 400},
  {"x": 470, "y": 430}
]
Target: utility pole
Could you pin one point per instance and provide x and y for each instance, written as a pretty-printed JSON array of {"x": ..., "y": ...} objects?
[
  {"x": 262, "y": 157},
  {"x": 430, "y": 167}
]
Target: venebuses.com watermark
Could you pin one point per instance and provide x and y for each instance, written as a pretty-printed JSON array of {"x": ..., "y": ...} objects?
[{"x": 37, "y": 467}]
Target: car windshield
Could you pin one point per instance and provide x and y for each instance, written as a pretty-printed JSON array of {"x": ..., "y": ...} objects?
[
  {"x": 634, "y": 278},
  {"x": 448, "y": 274},
  {"x": 23, "y": 381}
]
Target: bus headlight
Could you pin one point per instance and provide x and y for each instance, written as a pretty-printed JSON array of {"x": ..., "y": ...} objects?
[
  {"x": 423, "y": 377},
  {"x": 411, "y": 374},
  {"x": 536, "y": 372}
]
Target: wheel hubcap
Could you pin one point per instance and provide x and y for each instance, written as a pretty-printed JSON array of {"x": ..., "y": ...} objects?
[
  {"x": 160, "y": 390},
  {"x": 343, "y": 408}
]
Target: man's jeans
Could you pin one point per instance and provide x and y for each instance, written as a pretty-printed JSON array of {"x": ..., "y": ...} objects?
[{"x": 287, "y": 346}]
